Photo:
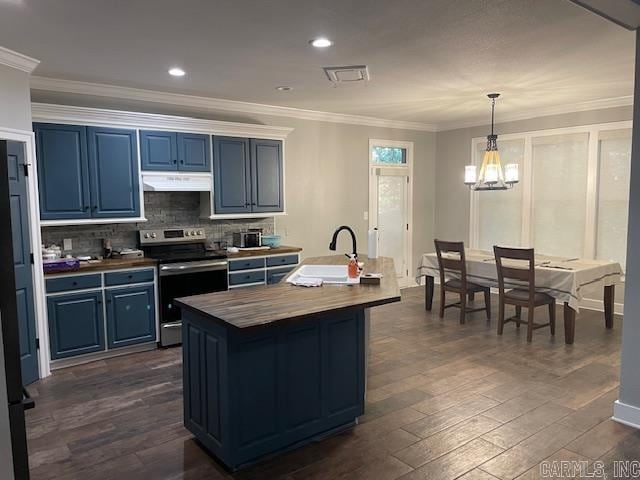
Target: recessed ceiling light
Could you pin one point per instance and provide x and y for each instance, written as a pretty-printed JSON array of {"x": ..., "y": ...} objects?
[
  {"x": 284, "y": 88},
  {"x": 321, "y": 42},
  {"x": 176, "y": 72}
]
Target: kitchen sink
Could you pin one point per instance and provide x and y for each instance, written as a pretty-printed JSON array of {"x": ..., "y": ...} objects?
[{"x": 327, "y": 273}]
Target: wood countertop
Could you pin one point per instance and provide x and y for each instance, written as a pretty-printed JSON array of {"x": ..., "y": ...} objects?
[
  {"x": 109, "y": 264},
  {"x": 258, "y": 253},
  {"x": 262, "y": 305}
]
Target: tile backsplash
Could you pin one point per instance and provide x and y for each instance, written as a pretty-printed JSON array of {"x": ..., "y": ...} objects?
[{"x": 163, "y": 210}]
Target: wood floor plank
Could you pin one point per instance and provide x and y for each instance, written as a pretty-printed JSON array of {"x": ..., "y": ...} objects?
[{"x": 433, "y": 385}]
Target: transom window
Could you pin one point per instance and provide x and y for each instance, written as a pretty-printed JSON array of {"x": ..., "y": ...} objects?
[{"x": 388, "y": 155}]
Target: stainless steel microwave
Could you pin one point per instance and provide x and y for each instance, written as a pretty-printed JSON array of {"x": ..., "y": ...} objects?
[{"x": 247, "y": 239}]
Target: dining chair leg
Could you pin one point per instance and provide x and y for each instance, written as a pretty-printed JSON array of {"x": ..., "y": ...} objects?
[
  {"x": 463, "y": 307},
  {"x": 552, "y": 317},
  {"x": 442, "y": 299},
  {"x": 518, "y": 315},
  {"x": 500, "y": 316},
  {"x": 487, "y": 302},
  {"x": 531, "y": 312}
]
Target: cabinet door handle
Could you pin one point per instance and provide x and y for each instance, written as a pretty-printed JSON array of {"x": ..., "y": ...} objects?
[
  {"x": 181, "y": 162},
  {"x": 86, "y": 207},
  {"x": 95, "y": 207},
  {"x": 175, "y": 161}
]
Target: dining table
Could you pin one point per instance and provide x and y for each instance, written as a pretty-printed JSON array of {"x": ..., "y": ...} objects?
[{"x": 564, "y": 278}]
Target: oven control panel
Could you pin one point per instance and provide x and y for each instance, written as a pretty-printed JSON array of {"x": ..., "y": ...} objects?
[{"x": 174, "y": 235}]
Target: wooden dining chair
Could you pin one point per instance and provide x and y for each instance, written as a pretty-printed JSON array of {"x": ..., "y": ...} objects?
[
  {"x": 461, "y": 286},
  {"x": 519, "y": 289}
]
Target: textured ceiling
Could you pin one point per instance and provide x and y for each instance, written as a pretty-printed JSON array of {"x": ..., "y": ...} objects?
[{"x": 430, "y": 61}]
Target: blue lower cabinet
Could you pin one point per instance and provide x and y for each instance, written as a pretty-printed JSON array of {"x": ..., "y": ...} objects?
[
  {"x": 76, "y": 324},
  {"x": 130, "y": 315},
  {"x": 249, "y": 393}
]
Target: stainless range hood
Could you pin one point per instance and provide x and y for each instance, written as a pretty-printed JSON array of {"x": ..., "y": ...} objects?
[{"x": 176, "y": 182}]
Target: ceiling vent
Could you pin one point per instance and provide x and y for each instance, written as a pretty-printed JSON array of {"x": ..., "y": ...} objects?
[{"x": 347, "y": 73}]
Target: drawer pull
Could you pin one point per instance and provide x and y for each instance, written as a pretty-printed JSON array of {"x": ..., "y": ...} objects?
[{"x": 74, "y": 283}]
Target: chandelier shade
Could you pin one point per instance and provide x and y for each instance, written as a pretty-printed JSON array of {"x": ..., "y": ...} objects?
[{"x": 492, "y": 175}]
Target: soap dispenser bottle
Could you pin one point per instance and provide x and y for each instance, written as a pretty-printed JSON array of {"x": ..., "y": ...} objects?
[{"x": 352, "y": 268}]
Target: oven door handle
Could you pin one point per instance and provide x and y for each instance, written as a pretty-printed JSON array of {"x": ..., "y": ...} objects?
[{"x": 204, "y": 266}]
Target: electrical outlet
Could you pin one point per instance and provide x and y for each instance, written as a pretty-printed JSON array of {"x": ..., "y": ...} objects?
[
  {"x": 67, "y": 244},
  {"x": 365, "y": 215}
]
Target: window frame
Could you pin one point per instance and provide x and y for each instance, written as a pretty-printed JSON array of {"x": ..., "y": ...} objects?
[{"x": 593, "y": 164}]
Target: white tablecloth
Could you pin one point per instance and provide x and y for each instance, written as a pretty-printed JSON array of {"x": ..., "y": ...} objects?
[{"x": 563, "y": 278}]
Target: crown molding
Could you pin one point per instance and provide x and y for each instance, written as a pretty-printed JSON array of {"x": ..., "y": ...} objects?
[
  {"x": 216, "y": 104},
  {"x": 51, "y": 113},
  {"x": 528, "y": 114},
  {"x": 17, "y": 60}
]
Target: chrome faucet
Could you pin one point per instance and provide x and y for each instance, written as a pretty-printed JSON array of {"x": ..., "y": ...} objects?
[{"x": 334, "y": 239}]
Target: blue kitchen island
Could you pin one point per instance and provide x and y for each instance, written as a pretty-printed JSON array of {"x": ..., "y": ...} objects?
[{"x": 270, "y": 368}]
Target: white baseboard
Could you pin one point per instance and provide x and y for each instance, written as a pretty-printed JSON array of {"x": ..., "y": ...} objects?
[
  {"x": 626, "y": 414},
  {"x": 598, "y": 305}
]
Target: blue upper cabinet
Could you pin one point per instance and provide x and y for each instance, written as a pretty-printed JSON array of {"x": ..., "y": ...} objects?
[
  {"x": 266, "y": 176},
  {"x": 63, "y": 171},
  {"x": 113, "y": 167},
  {"x": 248, "y": 175},
  {"x": 231, "y": 175},
  {"x": 171, "y": 151},
  {"x": 158, "y": 151},
  {"x": 194, "y": 152}
]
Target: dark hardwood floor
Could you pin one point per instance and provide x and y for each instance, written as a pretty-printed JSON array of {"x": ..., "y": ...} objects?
[{"x": 444, "y": 401}]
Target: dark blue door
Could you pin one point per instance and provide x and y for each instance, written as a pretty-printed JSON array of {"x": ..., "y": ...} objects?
[
  {"x": 266, "y": 176},
  {"x": 113, "y": 168},
  {"x": 158, "y": 150},
  {"x": 22, "y": 261},
  {"x": 194, "y": 152},
  {"x": 130, "y": 316},
  {"x": 232, "y": 175},
  {"x": 63, "y": 175},
  {"x": 76, "y": 324}
]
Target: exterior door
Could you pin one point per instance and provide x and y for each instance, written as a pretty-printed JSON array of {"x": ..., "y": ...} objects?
[
  {"x": 266, "y": 176},
  {"x": 63, "y": 175},
  {"x": 231, "y": 175},
  {"x": 22, "y": 261},
  {"x": 390, "y": 203},
  {"x": 113, "y": 167}
]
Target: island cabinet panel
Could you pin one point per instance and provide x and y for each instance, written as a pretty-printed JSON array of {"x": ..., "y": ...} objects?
[{"x": 256, "y": 392}]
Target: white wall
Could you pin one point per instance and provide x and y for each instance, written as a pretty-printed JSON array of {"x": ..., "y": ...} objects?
[
  {"x": 326, "y": 173},
  {"x": 14, "y": 96}
]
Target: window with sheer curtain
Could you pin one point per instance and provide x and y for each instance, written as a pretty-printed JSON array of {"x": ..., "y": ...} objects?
[{"x": 572, "y": 199}]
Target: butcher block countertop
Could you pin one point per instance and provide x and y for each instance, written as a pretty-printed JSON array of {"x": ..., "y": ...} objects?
[
  {"x": 259, "y": 253},
  {"x": 109, "y": 264},
  {"x": 262, "y": 305}
]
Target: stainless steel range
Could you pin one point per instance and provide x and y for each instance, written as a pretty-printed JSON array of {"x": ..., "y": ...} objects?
[{"x": 185, "y": 268}]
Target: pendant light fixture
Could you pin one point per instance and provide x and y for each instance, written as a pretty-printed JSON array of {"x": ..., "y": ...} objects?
[{"x": 492, "y": 176}]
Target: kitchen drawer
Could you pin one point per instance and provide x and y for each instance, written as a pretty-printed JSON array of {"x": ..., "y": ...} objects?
[
  {"x": 125, "y": 278},
  {"x": 282, "y": 260},
  {"x": 246, "y": 264},
  {"x": 73, "y": 282},
  {"x": 275, "y": 275},
  {"x": 246, "y": 277}
]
